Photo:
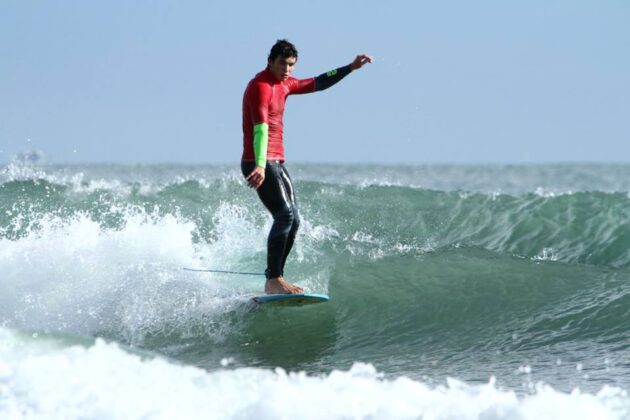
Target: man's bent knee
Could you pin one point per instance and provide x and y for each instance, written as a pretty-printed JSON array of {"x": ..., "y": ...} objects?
[{"x": 286, "y": 216}]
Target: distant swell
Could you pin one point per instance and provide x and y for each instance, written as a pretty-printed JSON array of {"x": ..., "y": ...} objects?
[{"x": 586, "y": 227}]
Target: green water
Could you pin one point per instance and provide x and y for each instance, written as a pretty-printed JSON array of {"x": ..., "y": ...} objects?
[{"x": 516, "y": 272}]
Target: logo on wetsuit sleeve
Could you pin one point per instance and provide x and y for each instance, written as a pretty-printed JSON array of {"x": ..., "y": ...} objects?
[{"x": 331, "y": 73}]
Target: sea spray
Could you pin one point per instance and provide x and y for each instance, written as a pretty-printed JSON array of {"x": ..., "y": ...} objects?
[
  {"x": 433, "y": 272},
  {"x": 43, "y": 378}
]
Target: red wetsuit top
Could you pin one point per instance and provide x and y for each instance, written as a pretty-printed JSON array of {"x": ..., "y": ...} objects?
[{"x": 263, "y": 102}]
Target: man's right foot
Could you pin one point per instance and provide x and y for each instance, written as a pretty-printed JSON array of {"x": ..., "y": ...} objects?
[{"x": 279, "y": 285}]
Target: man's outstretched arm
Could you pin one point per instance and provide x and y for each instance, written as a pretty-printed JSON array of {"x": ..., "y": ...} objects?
[{"x": 326, "y": 80}]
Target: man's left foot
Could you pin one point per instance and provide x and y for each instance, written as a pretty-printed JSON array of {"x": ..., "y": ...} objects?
[{"x": 278, "y": 286}]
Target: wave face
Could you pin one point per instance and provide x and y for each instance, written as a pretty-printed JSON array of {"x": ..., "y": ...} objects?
[{"x": 515, "y": 273}]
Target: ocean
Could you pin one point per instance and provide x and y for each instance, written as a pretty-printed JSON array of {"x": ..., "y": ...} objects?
[{"x": 456, "y": 292}]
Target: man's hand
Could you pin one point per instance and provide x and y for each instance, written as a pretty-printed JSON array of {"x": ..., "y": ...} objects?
[
  {"x": 360, "y": 61},
  {"x": 256, "y": 178}
]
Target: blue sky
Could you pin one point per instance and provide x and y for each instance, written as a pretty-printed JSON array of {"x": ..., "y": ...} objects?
[{"x": 452, "y": 82}]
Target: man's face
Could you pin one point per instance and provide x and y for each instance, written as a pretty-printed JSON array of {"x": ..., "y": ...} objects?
[{"x": 281, "y": 67}]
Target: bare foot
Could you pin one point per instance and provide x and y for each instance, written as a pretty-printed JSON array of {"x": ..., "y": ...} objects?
[{"x": 279, "y": 285}]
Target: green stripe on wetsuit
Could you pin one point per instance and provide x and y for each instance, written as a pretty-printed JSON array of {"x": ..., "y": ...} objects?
[
  {"x": 261, "y": 141},
  {"x": 326, "y": 80}
]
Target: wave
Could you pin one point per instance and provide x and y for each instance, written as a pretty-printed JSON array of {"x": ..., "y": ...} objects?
[
  {"x": 587, "y": 227},
  {"x": 73, "y": 275},
  {"x": 125, "y": 280},
  {"x": 423, "y": 283}
]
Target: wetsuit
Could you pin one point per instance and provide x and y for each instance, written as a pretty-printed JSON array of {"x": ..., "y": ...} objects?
[{"x": 263, "y": 107}]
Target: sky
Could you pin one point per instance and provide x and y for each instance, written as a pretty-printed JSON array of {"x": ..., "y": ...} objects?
[{"x": 453, "y": 81}]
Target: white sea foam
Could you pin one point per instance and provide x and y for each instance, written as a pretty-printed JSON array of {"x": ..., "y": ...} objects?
[
  {"x": 365, "y": 244},
  {"x": 73, "y": 275},
  {"x": 18, "y": 171},
  {"x": 547, "y": 254},
  {"x": 45, "y": 380},
  {"x": 81, "y": 180}
]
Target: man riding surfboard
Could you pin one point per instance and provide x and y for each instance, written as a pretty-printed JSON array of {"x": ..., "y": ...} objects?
[{"x": 262, "y": 162}]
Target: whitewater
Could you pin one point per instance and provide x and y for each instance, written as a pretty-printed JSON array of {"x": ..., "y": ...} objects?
[{"x": 457, "y": 292}]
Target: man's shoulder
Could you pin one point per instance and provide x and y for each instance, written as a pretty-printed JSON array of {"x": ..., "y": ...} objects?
[
  {"x": 262, "y": 77},
  {"x": 290, "y": 81},
  {"x": 260, "y": 81}
]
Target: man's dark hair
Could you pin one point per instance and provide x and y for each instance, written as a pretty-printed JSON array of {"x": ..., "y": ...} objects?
[{"x": 282, "y": 48}]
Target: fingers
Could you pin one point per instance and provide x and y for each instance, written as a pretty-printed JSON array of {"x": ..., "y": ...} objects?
[
  {"x": 255, "y": 179},
  {"x": 255, "y": 183},
  {"x": 366, "y": 58},
  {"x": 361, "y": 60}
]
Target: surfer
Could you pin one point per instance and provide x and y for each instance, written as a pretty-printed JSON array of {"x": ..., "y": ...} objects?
[{"x": 262, "y": 162}]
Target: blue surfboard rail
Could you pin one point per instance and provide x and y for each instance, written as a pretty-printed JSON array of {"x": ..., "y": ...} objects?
[{"x": 291, "y": 299}]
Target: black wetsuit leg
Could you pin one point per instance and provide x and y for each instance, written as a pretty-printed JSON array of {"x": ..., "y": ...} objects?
[{"x": 278, "y": 196}]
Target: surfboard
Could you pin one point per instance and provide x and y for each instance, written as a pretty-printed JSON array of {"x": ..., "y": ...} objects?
[{"x": 290, "y": 300}]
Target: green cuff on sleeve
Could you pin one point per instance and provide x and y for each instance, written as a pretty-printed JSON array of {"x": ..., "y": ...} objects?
[{"x": 261, "y": 140}]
